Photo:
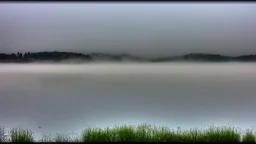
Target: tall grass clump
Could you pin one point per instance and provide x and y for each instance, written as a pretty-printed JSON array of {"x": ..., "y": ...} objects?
[
  {"x": 21, "y": 135},
  {"x": 249, "y": 137},
  {"x": 163, "y": 134},
  {"x": 98, "y": 135},
  {"x": 192, "y": 135},
  {"x": 221, "y": 134},
  {"x": 2, "y": 135},
  {"x": 125, "y": 133},
  {"x": 143, "y": 133}
]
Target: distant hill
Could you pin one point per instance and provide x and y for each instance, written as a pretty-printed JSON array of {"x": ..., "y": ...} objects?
[
  {"x": 115, "y": 57},
  {"x": 197, "y": 57},
  {"x": 91, "y": 57}
]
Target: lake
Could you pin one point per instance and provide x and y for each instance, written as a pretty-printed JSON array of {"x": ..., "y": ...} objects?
[{"x": 65, "y": 98}]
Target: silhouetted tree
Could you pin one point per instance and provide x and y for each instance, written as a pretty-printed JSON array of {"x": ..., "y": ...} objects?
[{"x": 19, "y": 55}]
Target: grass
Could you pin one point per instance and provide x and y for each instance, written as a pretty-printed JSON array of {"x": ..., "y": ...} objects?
[
  {"x": 147, "y": 133},
  {"x": 140, "y": 133},
  {"x": 249, "y": 136},
  {"x": 2, "y": 135},
  {"x": 21, "y": 135}
]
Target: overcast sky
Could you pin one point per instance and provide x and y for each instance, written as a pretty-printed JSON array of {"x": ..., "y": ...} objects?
[{"x": 147, "y": 29}]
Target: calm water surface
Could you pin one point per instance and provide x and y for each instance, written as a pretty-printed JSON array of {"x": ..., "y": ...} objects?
[{"x": 67, "y": 98}]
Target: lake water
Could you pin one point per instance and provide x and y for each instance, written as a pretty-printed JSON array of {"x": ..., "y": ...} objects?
[{"x": 65, "y": 98}]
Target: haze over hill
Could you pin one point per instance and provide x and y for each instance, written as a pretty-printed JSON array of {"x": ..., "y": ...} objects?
[{"x": 92, "y": 57}]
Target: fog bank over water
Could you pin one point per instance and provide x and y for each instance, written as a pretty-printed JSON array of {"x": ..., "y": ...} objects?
[
  {"x": 129, "y": 67},
  {"x": 62, "y": 98}
]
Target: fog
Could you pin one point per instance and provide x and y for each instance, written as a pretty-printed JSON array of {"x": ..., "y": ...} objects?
[{"x": 65, "y": 98}]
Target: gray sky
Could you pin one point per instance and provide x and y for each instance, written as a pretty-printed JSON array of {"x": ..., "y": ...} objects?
[{"x": 147, "y": 29}]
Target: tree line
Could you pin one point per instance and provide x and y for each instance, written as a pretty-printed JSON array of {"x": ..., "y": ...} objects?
[
  {"x": 42, "y": 56},
  {"x": 60, "y": 56}
]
